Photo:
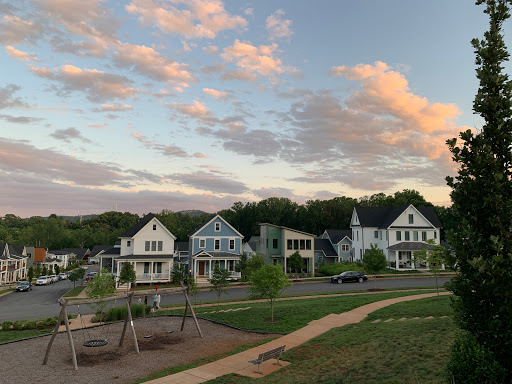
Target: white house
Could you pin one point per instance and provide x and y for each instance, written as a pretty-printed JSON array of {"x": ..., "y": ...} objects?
[
  {"x": 397, "y": 231},
  {"x": 149, "y": 246}
]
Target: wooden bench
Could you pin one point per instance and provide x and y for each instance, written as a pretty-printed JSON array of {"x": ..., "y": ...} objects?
[{"x": 272, "y": 354}]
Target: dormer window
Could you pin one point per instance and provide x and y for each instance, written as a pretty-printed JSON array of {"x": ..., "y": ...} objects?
[
  {"x": 217, "y": 227},
  {"x": 128, "y": 243},
  {"x": 411, "y": 218},
  {"x": 154, "y": 227}
]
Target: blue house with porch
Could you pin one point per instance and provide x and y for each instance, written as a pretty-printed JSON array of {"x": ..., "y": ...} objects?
[{"x": 214, "y": 242}]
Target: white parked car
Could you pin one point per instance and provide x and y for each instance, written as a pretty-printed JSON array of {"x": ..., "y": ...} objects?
[
  {"x": 43, "y": 280},
  {"x": 63, "y": 276},
  {"x": 54, "y": 278}
]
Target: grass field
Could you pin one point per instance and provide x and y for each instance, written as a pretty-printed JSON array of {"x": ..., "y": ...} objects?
[
  {"x": 408, "y": 351},
  {"x": 74, "y": 292},
  {"x": 18, "y": 335}
]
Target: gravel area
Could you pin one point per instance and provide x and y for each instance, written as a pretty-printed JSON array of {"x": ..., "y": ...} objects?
[{"x": 111, "y": 364}]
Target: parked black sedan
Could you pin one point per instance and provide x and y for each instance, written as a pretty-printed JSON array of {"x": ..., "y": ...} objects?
[
  {"x": 24, "y": 286},
  {"x": 349, "y": 277}
]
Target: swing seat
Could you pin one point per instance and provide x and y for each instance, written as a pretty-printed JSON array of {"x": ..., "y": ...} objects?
[{"x": 95, "y": 343}]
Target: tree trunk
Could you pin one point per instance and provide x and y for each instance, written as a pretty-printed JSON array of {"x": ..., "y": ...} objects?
[{"x": 272, "y": 310}]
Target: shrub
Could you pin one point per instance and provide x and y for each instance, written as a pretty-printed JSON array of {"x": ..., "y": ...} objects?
[
  {"x": 472, "y": 363},
  {"x": 337, "y": 268},
  {"x": 119, "y": 313},
  {"x": 6, "y": 325},
  {"x": 17, "y": 325}
]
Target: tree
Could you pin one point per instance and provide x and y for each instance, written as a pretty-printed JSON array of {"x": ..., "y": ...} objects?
[
  {"x": 219, "y": 281},
  {"x": 295, "y": 261},
  {"x": 30, "y": 274},
  {"x": 436, "y": 259},
  {"x": 50, "y": 269},
  {"x": 193, "y": 288},
  {"x": 178, "y": 272},
  {"x": 44, "y": 271},
  {"x": 374, "y": 261},
  {"x": 267, "y": 283},
  {"x": 57, "y": 269},
  {"x": 101, "y": 286},
  {"x": 482, "y": 203},
  {"x": 38, "y": 270},
  {"x": 127, "y": 275},
  {"x": 248, "y": 265},
  {"x": 76, "y": 275}
]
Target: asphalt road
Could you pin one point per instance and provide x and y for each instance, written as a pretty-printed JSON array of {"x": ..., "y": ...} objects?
[{"x": 41, "y": 302}]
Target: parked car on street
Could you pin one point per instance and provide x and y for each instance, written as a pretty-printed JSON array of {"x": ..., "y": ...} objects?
[
  {"x": 43, "y": 280},
  {"x": 24, "y": 286},
  {"x": 349, "y": 277},
  {"x": 54, "y": 278},
  {"x": 90, "y": 276},
  {"x": 63, "y": 276}
]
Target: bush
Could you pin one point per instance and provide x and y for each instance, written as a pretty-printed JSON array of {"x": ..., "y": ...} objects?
[
  {"x": 6, "y": 325},
  {"x": 17, "y": 325},
  {"x": 472, "y": 363},
  {"x": 119, "y": 313},
  {"x": 337, "y": 268}
]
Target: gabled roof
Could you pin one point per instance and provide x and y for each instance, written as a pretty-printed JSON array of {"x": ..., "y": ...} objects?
[
  {"x": 253, "y": 243},
  {"x": 112, "y": 251},
  {"x": 99, "y": 248},
  {"x": 288, "y": 229},
  {"x": 63, "y": 252},
  {"x": 383, "y": 217},
  {"x": 193, "y": 233},
  {"x": 141, "y": 224},
  {"x": 79, "y": 252},
  {"x": 411, "y": 246},
  {"x": 16, "y": 249},
  {"x": 181, "y": 246},
  {"x": 325, "y": 246},
  {"x": 217, "y": 254},
  {"x": 336, "y": 235}
]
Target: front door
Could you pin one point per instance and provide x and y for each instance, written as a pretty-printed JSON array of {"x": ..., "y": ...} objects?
[{"x": 201, "y": 268}]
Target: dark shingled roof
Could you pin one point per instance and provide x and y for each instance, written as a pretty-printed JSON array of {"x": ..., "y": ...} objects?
[
  {"x": 326, "y": 246},
  {"x": 112, "y": 251},
  {"x": 411, "y": 246},
  {"x": 383, "y": 217},
  {"x": 336, "y": 235},
  {"x": 144, "y": 257},
  {"x": 137, "y": 227},
  {"x": 181, "y": 246},
  {"x": 16, "y": 249},
  {"x": 79, "y": 252},
  {"x": 219, "y": 254},
  {"x": 98, "y": 248}
]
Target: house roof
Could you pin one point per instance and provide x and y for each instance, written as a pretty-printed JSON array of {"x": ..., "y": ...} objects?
[
  {"x": 99, "y": 248},
  {"x": 383, "y": 217},
  {"x": 139, "y": 225},
  {"x": 145, "y": 257},
  {"x": 112, "y": 251},
  {"x": 411, "y": 246},
  {"x": 218, "y": 254},
  {"x": 79, "y": 252},
  {"x": 63, "y": 252},
  {"x": 325, "y": 246},
  {"x": 336, "y": 235},
  {"x": 181, "y": 246},
  {"x": 209, "y": 221},
  {"x": 288, "y": 229},
  {"x": 16, "y": 249}
]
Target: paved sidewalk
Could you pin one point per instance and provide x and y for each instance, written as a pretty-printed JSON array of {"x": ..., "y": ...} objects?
[{"x": 239, "y": 363}]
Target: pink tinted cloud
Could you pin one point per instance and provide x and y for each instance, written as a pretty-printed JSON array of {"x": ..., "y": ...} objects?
[
  {"x": 166, "y": 150},
  {"x": 116, "y": 107},
  {"x": 218, "y": 95},
  {"x": 277, "y": 27},
  {"x": 148, "y": 62},
  {"x": 19, "y": 55},
  {"x": 14, "y": 30},
  {"x": 190, "y": 18}
]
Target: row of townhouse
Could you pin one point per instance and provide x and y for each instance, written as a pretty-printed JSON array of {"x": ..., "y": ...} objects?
[
  {"x": 152, "y": 248},
  {"x": 13, "y": 263}
]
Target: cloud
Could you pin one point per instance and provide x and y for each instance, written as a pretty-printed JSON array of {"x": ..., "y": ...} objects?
[
  {"x": 14, "y": 30},
  {"x": 99, "y": 86},
  {"x": 256, "y": 60},
  {"x": 239, "y": 74},
  {"x": 116, "y": 107},
  {"x": 98, "y": 126},
  {"x": 148, "y": 62},
  {"x": 195, "y": 18},
  {"x": 19, "y": 55},
  {"x": 209, "y": 181},
  {"x": 211, "y": 50},
  {"x": 69, "y": 134},
  {"x": 7, "y": 99},
  {"x": 216, "y": 68},
  {"x": 21, "y": 119},
  {"x": 196, "y": 110},
  {"x": 277, "y": 27},
  {"x": 166, "y": 150},
  {"x": 218, "y": 95}
]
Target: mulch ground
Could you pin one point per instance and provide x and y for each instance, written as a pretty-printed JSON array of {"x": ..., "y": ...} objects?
[{"x": 111, "y": 364}]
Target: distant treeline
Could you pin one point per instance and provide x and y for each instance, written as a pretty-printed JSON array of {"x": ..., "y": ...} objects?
[{"x": 314, "y": 217}]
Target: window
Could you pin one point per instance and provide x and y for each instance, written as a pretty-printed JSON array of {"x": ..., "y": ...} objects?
[
  {"x": 398, "y": 236},
  {"x": 230, "y": 265},
  {"x": 381, "y": 235},
  {"x": 415, "y": 235},
  {"x": 308, "y": 244},
  {"x": 360, "y": 253},
  {"x": 153, "y": 246},
  {"x": 423, "y": 236},
  {"x": 407, "y": 238},
  {"x": 295, "y": 244},
  {"x": 357, "y": 233},
  {"x": 202, "y": 243},
  {"x": 128, "y": 243},
  {"x": 160, "y": 246},
  {"x": 289, "y": 244},
  {"x": 435, "y": 235},
  {"x": 303, "y": 244},
  {"x": 411, "y": 218},
  {"x": 217, "y": 227},
  {"x": 399, "y": 255},
  {"x": 157, "y": 267},
  {"x": 376, "y": 234},
  {"x": 231, "y": 246},
  {"x": 146, "y": 267},
  {"x": 267, "y": 243},
  {"x": 217, "y": 244},
  {"x": 345, "y": 248},
  {"x": 147, "y": 244},
  {"x": 274, "y": 243},
  {"x": 154, "y": 227}
]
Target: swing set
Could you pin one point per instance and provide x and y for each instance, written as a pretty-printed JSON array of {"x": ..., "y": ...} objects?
[{"x": 101, "y": 342}]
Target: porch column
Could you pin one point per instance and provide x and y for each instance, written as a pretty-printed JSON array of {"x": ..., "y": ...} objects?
[
  {"x": 413, "y": 264},
  {"x": 152, "y": 269},
  {"x": 135, "y": 269},
  {"x": 284, "y": 264},
  {"x": 194, "y": 264},
  {"x": 112, "y": 265},
  {"x": 210, "y": 269},
  {"x": 396, "y": 259}
]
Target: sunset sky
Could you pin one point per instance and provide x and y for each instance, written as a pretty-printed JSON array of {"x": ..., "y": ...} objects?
[{"x": 147, "y": 105}]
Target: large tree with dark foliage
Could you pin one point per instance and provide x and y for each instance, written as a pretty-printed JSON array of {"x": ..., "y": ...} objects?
[{"x": 482, "y": 200}]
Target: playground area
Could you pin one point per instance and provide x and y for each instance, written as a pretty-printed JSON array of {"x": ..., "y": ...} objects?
[{"x": 113, "y": 364}]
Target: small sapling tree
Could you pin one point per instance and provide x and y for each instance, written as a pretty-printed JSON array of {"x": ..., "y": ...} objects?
[
  {"x": 219, "y": 281},
  {"x": 435, "y": 257},
  {"x": 127, "y": 275},
  {"x": 30, "y": 274},
  {"x": 295, "y": 262},
  {"x": 101, "y": 286},
  {"x": 374, "y": 261}
]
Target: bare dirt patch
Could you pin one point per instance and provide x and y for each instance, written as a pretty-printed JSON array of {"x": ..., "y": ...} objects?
[{"x": 111, "y": 364}]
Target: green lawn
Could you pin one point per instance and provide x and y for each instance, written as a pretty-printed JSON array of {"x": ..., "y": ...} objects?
[
  {"x": 292, "y": 314},
  {"x": 74, "y": 292},
  {"x": 17, "y": 335},
  {"x": 410, "y": 351},
  {"x": 2, "y": 291}
]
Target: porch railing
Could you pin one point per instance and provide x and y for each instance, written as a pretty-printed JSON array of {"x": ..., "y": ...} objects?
[{"x": 153, "y": 276}]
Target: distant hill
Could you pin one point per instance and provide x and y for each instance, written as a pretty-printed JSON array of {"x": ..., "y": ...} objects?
[{"x": 193, "y": 212}]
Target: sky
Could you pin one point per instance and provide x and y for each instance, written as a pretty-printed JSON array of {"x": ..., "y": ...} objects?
[{"x": 144, "y": 105}]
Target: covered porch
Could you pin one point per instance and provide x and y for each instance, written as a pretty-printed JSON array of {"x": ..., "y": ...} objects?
[
  {"x": 401, "y": 256},
  {"x": 204, "y": 263},
  {"x": 148, "y": 269}
]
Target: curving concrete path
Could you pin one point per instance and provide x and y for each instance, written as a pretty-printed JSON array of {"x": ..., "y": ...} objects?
[{"x": 239, "y": 363}]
